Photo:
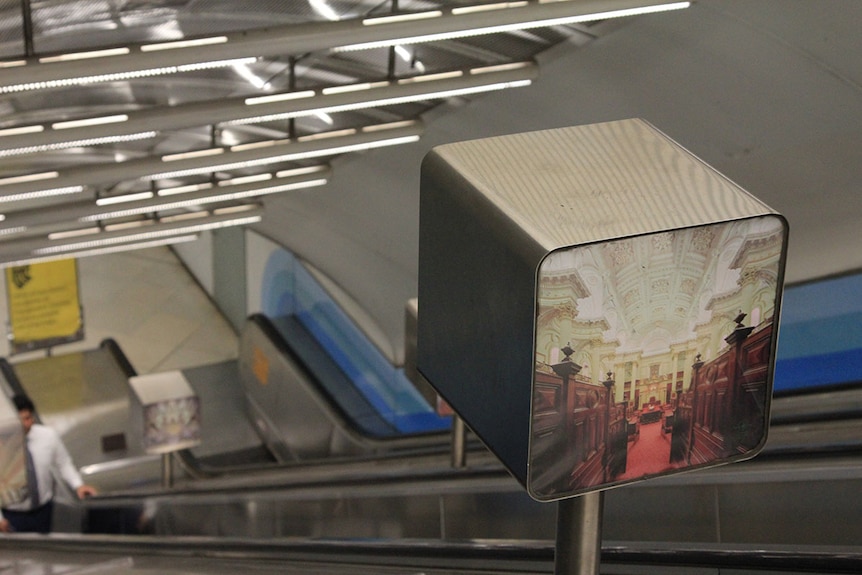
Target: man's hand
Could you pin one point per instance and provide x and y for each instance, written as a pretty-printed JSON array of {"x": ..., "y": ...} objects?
[
  {"x": 5, "y": 526},
  {"x": 85, "y": 491}
]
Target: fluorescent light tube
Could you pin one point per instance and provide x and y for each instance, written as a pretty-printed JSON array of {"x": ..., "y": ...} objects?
[
  {"x": 73, "y": 233},
  {"x": 90, "y": 122},
  {"x": 21, "y": 130},
  {"x": 487, "y": 7},
  {"x": 29, "y": 178},
  {"x": 111, "y": 200},
  {"x": 407, "y": 17},
  {"x": 184, "y": 189},
  {"x": 194, "y": 154},
  {"x": 184, "y": 44},
  {"x": 287, "y": 96},
  {"x": 85, "y": 55}
]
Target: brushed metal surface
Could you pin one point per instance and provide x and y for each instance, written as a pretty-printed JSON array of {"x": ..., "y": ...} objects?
[{"x": 572, "y": 186}]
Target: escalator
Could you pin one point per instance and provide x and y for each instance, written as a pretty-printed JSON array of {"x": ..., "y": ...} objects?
[
  {"x": 397, "y": 503},
  {"x": 801, "y": 490},
  {"x": 305, "y": 409},
  {"x": 310, "y": 403}
]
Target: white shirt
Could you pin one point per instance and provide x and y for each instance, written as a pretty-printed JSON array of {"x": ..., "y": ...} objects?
[{"x": 49, "y": 455}]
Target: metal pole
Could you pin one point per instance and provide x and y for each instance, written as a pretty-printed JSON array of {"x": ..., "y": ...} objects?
[
  {"x": 167, "y": 470},
  {"x": 579, "y": 535},
  {"x": 459, "y": 440},
  {"x": 27, "y": 20}
]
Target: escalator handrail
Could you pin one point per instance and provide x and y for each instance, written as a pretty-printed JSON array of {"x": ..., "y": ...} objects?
[
  {"x": 111, "y": 345},
  {"x": 337, "y": 412},
  {"x": 513, "y": 556},
  {"x": 11, "y": 377}
]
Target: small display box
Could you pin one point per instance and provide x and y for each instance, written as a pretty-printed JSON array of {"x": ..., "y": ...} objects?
[
  {"x": 599, "y": 305},
  {"x": 165, "y": 411},
  {"x": 13, "y": 470}
]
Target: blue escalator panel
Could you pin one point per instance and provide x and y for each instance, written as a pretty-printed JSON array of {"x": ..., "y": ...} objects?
[
  {"x": 820, "y": 340},
  {"x": 355, "y": 374}
]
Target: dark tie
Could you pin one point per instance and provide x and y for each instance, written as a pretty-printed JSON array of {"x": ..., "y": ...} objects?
[{"x": 32, "y": 481}]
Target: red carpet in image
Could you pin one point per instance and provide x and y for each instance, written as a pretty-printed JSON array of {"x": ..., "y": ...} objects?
[{"x": 649, "y": 454}]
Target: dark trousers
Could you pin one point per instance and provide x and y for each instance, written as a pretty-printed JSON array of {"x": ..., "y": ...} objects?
[{"x": 34, "y": 521}]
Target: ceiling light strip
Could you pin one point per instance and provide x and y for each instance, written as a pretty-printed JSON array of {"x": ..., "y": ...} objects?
[
  {"x": 406, "y": 17},
  {"x": 391, "y": 93},
  {"x": 287, "y": 157},
  {"x": 11, "y": 250},
  {"x": 37, "y": 194},
  {"x": 21, "y": 130},
  {"x": 109, "y": 240},
  {"x": 204, "y": 199},
  {"x": 88, "y": 55},
  {"x": 145, "y": 124},
  {"x": 518, "y": 22},
  {"x": 33, "y": 220},
  {"x": 282, "y": 151},
  {"x": 427, "y": 95},
  {"x": 102, "y": 251},
  {"x": 150, "y": 168},
  {"x": 309, "y": 37},
  {"x": 184, "y": 44},
  {"x": 63, "y": 145},
  {"x": 117, "y": 118},
  {"x": 124, "y": 198},
  {"x": 86, "y": 78},
  {"x": 29, "y": 178}
]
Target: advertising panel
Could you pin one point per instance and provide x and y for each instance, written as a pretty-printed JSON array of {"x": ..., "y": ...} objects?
[{"x": 44, "y": 305}]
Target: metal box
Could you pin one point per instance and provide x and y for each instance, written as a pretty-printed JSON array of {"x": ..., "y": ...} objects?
[
  {"x": 599, "y": 305},
  {"x": 165, "y": 412}
]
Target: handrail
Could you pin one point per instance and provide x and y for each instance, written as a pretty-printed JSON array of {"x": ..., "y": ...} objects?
[
  {"x": 111, "y": 345},
  {"x": 512, "y": 556},
  {"x": 779, "y": 464},
  {"x": 11, "y": 377},
  {"x": 329, "y": 474},
  {"x": 788, "y": 438}
]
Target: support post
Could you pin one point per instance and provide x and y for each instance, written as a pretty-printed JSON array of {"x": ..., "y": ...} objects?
[
  {"x": 167, "y": 470},
  {"x": 579, "y": 535},
  {"x": 459, "y": 443}
]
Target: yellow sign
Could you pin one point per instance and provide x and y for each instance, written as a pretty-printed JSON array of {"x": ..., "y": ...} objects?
[
  {"x": 260, "y": 366},
  {"x": 44, "y": 308}
]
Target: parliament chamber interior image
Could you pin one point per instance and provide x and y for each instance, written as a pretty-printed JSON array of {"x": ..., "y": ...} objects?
[{"x": 428, "y": 287}]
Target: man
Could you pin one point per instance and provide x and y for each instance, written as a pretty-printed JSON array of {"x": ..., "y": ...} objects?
[{"x": 48, "y": 454}]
